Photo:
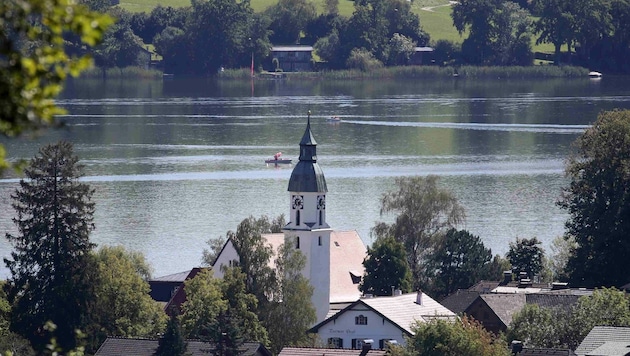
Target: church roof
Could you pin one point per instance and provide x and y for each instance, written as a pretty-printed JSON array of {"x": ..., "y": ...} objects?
[{"x": 307, "y": 176}]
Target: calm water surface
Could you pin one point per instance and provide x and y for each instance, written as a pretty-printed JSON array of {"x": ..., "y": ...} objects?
[{"x": 175, "y": 163}]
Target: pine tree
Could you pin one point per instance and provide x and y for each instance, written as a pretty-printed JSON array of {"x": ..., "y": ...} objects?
[
  {"x": 51, "y": 270},
  {"x": 172, "y": 343}
]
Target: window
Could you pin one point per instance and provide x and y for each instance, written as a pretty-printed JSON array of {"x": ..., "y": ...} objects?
[
  {"x": 297, "y": 242},
  {"x": 360, "y": 320},
  {"x": 335, "y": 343},
  {"x": 319, "y": 240},
  {"x": 297, "y": 217},
  {"x": 321, "y": 217}
]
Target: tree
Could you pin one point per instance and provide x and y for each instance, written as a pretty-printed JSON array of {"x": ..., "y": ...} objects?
[
  {"x": 526, "y": 255},
  {"x": 386, "y": 267},
  {"x": 401, "y": 48},
  {"x": 499, "y": 32},
  {"x": 458, "y": 261},
  {"x": 543, "y": 327},
  {"x": 607, "y": 307},
  {"x": 539, "y": 327},
  {"x": 254, "y": 254},
  {"x": 596, "y": 200},
  {"x": 35, "y": 63},
  {"x": 219, "y": 34},
  {"x": 210, "y": 256},
  {"x": 463, "y": 336},
  {"x": 425, "y": 212},
  {"x": 123, "y": 306},
  {"x": 172, "y": 342},
  {"x": 52, "y": 278},
  {"x": 561, "y": 250},
  {"x": 204, "y": 302},
  {"x": 120, "y": 47},
  {"x": 289, "y": 19},
  {"x": 291, "y": 312}
]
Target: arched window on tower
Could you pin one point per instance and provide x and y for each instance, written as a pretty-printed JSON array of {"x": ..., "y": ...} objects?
[
  {"x": 297, "y": 217},
  {"x": 297, "y": 242},
  {"x": 321, "y": 217}
]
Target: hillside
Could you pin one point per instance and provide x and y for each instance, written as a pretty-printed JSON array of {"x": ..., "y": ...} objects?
[{"x": 435, "y": 15}]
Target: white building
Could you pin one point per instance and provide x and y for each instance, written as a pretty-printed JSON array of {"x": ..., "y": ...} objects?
[
  {"x": 379, "y": 320},
  {"x": 334, "y": 259}
]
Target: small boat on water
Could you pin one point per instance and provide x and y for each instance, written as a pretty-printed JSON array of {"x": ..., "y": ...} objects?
[
  {"x": 277, "y": 159},
  {"x": 594, "y": 74},
  {"x": 334, "y": 119}
]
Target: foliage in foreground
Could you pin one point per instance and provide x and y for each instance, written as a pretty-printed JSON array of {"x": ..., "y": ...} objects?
[
  {"x": 34, "y": 61},
  {"x": 463, "y": 336},
  {"x": 386, "y": 267},
  {"x": 597, "y": 202}
]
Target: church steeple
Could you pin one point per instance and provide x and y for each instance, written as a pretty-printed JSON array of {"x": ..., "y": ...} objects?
[
  {"x": 307, "y": 229},
  {"x": 307, "y": 176}
]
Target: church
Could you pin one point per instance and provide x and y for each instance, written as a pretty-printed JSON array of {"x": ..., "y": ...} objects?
[
  {"x": 334, "y": 266},
  {"x": 334, "y": 259}
]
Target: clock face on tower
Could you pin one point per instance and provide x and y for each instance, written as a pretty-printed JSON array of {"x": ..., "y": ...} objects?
[
  {"x": 321, "y": 202},
  {"x": 298, "y": 201}
]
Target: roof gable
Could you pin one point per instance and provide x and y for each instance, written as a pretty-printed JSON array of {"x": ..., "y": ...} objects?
[
  {"x": 401, "y": 311},
  {"x": 600, "y": 335}
]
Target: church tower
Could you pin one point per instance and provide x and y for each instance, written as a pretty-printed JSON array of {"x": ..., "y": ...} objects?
[{"x": 307, "y": 229}]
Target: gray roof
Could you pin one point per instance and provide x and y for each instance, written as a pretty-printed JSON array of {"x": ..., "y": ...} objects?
[
  {"x": 546, "y": 300},
  {"x": 175, "y": 277},
  {"x": 601, "y": 335},
  {"x": 504, "y": 305},
  {"x": 400, "y": 310},
  {"x": 295, "y": 48},
  {"x": 146, "y": 347},
  {"x": 612, "y": 348},
  {"x": 307, "y": 351},
  {"x": 459, "y": 301},
  {"x": 535, "y": 351}
]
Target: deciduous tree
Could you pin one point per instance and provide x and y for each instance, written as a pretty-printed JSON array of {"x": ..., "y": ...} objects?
[
  {"x": 52, "y": 277},
  {"x": 34, "y": 62},
  {"x": 463, "y": 336},
  {"x": 596, "y": 200},
  {"x": 459, "y": 260},
  {"x": 526, "y": 255},
  {"x": 291, "y": 313},
  {"x": 424, "y": 213},
  {"x": 386, "y": 267},
  {"x": 123, "y": 306}
]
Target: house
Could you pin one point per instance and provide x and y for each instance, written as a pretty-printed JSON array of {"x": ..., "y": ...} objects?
[
  {"x": 379, "y": 320},
  {"x": 496, "y": 310},
  {"x": 114, "y": 346},
  {"x": 605, "y": 341},
  {"x": 422, "y": 56},
  {"x": 312, "y": 351},
  {"x": 168, "y": 291},
  {"x": 292, "y": 58},
  {"x": 334, "y": 259}
]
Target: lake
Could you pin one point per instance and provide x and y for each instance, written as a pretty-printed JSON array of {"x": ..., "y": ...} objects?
[{"x": 177, "y": 162}]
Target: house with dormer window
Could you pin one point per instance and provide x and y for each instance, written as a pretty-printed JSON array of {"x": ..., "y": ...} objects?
[{"x": 379, "y": 320}]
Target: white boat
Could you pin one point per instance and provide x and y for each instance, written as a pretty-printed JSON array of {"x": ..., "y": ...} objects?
[
  {"x": 594, "y": 74},
  {"x": 334, "y": 119}
]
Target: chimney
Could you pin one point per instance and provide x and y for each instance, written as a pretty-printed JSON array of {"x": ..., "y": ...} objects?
[
  {"x": 367, "y": 346},
  {"x": 507, "y": 278},
  {"x": 517, "y": 347},
  {"x": 419, "y": 297}
]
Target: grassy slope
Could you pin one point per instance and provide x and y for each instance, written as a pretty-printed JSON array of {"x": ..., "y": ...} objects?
[{"x": 437, "y": 23}]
